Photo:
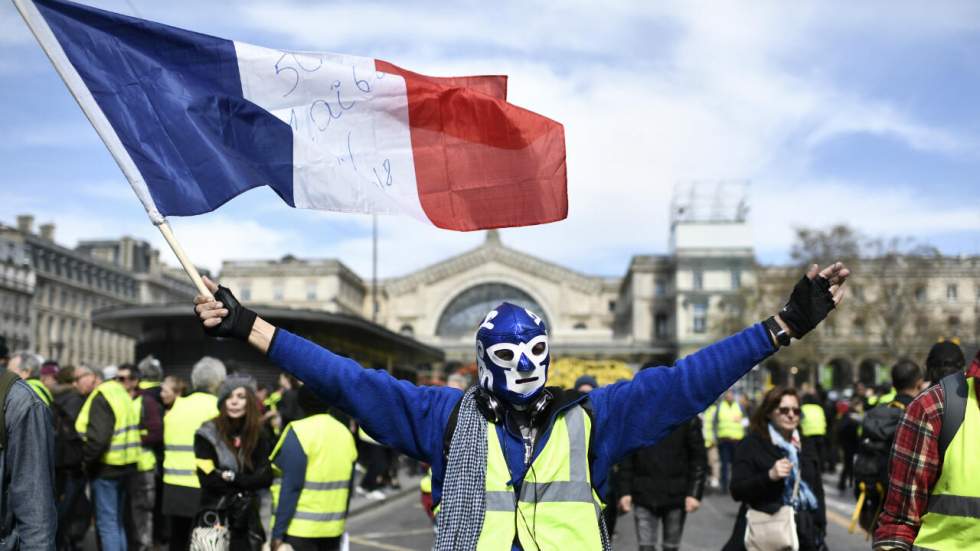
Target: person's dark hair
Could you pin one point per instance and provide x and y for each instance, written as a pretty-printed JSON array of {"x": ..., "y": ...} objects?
[
  {"x": 906, "y": 374},
  {"x": 759, "y": 423},
  {"x": 66, "y": 375},
  {"x": 945, "y": 358},
  {"x": 133, "y": 370},
  {"x": 309, "y": 402},
  {"x": 249, "y": 427}
]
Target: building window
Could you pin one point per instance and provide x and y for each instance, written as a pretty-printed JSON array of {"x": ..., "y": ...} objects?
[
  {"x": 278, "y": 292},
  {"x": 951, "y": 292},
  {"x": 954, "y": 326},
  {"x": 311, "y": 290},
  {"x": 660, "y": 287},
  {"x": 612, "y": 305},
  {"x": 246, "y": 293},
  {"x": 700, "y": 317},
  {"x": 736, "y": 279},
  {"x": 660, "y": 328},
  {"x": 580, "y": 326},
  {"x": 921, "y": 295},
  {"x": 698, "y": 280},
  {"x": 859, "y": 329}
]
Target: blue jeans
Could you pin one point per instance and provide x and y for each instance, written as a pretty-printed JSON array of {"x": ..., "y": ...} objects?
[
  {"x": 109, "y": 495},
  {"x": 726, "y": 452}
]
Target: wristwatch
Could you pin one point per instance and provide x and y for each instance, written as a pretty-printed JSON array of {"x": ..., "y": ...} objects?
[{"x": 782, "y": 337}]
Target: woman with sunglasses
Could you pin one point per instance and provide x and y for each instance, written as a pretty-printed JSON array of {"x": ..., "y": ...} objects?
[{"x": 767, "y": 463}]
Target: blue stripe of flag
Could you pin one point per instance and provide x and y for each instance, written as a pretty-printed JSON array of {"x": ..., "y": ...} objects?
[{"x": 174, "y": 98}]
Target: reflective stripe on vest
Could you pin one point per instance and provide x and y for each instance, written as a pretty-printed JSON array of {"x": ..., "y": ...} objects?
[
  {"x": 40, "y": 390},
  {"x": 179, "y": 425},
  {"x": 814, "y": 422},
  {"x": 953, "y": 517},
  {"x": 557, "y": 507},
  {"x": 124, "y": 446},
  {"x": 147, "y": 460},
  {"x": 321, "y": 511},
  {"x": 729, "y": 421}
]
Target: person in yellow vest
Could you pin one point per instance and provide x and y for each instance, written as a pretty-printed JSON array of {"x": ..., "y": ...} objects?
[
  {"x": 517, "y": 464},
  {"x": 728, "y": 427},
  {"x": 714, "y": 462},
  {"x": 314, "y": 463},
  {"x": 109, "y": 426},
  {"x": 27, "y": 366},
  {"x": 813, "y": 425},
  {"x": 181, "y": 488},
  {"x": 142, "y": 484}
]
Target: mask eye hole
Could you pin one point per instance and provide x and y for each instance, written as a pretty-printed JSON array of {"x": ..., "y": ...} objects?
[
  {"x": 504, "y": 354},
  {"x": 538, "y": 349}
]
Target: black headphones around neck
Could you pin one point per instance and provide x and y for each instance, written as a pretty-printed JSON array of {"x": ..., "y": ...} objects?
[{"x": 493, "y": 409}]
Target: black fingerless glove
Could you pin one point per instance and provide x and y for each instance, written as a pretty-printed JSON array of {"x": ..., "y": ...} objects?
[
  {"x": 808, "y": 305},
  {"x": 238, "y": 323}
]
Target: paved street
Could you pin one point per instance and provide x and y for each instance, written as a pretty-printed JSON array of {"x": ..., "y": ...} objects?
[{"x": 401, "y": 525}]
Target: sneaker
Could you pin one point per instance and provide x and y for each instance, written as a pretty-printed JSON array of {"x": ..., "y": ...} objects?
[
  {"x": 360, "y": 491},
  {"x": 376, "y": 495}
]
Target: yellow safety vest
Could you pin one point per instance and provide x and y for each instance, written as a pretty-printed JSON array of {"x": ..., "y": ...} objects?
[
  {"x": 953, "y": 517},
  {"x": 272, "y": 402},
  {"x": 179, "y": 425},
  {"x": 814, "y": 422},
  {"x": 707, "y": 430},
  {"x": 41, "y": 390},
  {"x": 729, "y": 417},
  {"x": 321, "y": 511},
  {"x": 888, "y": 397},
  {"x": 557, "y": 507},
  {"x": 147, "y": 460},
  {"x": 124, "y": 447},
  {"x": 145, "y": 385}
]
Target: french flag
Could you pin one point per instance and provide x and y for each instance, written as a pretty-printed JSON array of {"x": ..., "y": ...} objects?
[{"x": 195, "y": 120}]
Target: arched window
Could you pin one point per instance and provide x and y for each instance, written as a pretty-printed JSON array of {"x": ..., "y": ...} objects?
[
  {"x": 465, "y": 312},
  {"x": 580, "y": 326}
]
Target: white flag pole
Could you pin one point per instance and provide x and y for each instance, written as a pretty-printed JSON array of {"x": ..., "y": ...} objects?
[{"x": 49, "y": 43}]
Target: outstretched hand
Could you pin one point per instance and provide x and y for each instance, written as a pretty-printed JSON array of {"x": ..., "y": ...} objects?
[{"x": 813, "y": 297}]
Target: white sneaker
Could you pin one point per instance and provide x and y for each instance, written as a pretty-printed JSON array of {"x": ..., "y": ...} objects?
[
  {"x": 376, "y": 495},
  {"x": 360, "y": 491}
]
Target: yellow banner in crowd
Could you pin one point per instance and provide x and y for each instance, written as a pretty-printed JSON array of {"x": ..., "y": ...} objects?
[{"x": 564, "y": 371}]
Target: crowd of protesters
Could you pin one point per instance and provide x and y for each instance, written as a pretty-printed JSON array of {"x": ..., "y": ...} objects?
[{"x": 144, "y": 457}]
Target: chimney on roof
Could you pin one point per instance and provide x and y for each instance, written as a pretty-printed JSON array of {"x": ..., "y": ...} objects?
[
  {"x": 47, "y": 231},
  {"x": 25, "y": 223}
]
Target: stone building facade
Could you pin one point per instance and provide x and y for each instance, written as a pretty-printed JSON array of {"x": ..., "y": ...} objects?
[
  {"x": 17, "y": 282},
  {"x": 67, "y": 285}
]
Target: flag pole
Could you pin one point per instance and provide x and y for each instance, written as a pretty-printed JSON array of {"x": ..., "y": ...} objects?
[{"x": 185, "y": 262}]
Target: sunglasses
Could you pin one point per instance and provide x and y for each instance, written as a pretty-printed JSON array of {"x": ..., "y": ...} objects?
[
  {"x": 787, "y": 411},
  {"x": 124, "y": 378}
]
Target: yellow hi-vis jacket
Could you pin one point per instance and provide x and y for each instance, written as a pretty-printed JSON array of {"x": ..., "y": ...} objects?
[
  {"x": 179, "y": 425},
  {"x": 814, "y": 421},
  {"x": 953, "y": 517},
  {"x": 557, "y": 507},
  {"x": 124, "y": 447},
  {"x": 321, "y": 511},
  {"x": 727, "y": 421},
  {"x": 41, "y": 390},
  {"x": 147, "y": 460}
]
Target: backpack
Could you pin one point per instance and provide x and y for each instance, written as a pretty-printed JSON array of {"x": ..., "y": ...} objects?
[{"x": 877, "y": 434}]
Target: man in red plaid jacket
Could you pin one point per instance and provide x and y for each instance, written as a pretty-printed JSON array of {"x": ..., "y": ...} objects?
[{"x": 916, "y": 466}]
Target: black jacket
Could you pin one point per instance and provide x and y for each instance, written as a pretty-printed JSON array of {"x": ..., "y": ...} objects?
[
  {"x": 751, "y": 485},
  {"x": 68, "y": 444},
  {"x": 254, "y": 478},
  {"x": 664, "y": 474}
]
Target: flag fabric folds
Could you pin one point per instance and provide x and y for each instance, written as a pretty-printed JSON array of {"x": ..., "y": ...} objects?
[{"x": 194, "y": 120}]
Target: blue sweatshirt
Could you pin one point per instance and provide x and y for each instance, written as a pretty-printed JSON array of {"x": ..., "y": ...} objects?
[{"x": 626, "y": 416}]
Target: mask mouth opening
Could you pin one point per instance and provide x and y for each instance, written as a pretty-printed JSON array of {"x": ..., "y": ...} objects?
[{"x": 525, "y": 380}]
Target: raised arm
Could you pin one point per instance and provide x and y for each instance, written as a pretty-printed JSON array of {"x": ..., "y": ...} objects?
[
  {"x": 397, "y": 413},
  {"x": 640, "y": 412}
]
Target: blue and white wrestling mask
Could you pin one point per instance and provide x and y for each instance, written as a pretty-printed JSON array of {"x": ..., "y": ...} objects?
[{"x": 512, "y": 353}]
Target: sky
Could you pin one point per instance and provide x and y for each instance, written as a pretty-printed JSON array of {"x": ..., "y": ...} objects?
[{"x": 833, "y": 112}]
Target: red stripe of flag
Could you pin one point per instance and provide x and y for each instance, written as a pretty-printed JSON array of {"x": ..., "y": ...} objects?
[{"x": 481, "y": 162}]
